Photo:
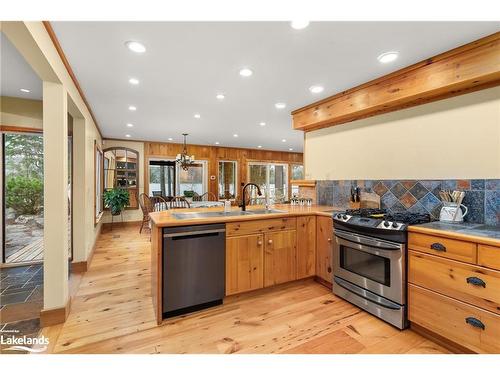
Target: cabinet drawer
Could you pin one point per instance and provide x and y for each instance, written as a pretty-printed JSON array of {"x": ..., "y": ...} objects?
[
  {"x": 260, "y": 226},
  {"x": 488, "y": 256},
  {"x": 472, "y": 284},
  {"x": 444, "y": 247},
  {"x": 469, "y": 326}
]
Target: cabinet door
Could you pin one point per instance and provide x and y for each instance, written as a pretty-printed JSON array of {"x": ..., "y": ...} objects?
[
  {"x": 306, "y": 246},
  {"x": 244, "y": 263},
  {"x": 280, "y": 257},
  {"x": 324, "y": 265}
]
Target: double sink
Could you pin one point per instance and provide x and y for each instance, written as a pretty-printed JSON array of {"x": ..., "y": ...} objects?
[{"x": 201, "y": 215}]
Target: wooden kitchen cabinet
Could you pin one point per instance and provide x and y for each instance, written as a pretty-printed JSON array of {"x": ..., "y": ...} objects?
[
  {"x": 280, "y": 257},
  {"x": 324, "y": 238},
  {"x": 306, "y": 246},
  {"x": 244, "y": 263}
]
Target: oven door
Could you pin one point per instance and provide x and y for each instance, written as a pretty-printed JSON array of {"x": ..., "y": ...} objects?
[{"x": 372, "y": 264}]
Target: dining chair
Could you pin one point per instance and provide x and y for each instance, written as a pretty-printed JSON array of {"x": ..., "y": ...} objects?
[
  {"x": 179, "y": 202},
  {"x": 207, "y": 196},
  {"x": 147, "y": 208},
  {"x": 159, "y": 203}
]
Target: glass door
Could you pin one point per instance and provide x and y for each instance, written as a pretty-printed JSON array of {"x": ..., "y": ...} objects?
[
  {"x": 162, "y": 178},
  {"x": 23, "y": 197},
  {"x": 192, "y": 180}
]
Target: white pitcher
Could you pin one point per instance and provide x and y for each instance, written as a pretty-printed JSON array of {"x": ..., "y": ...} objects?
[{"x": 449, "y": 212}]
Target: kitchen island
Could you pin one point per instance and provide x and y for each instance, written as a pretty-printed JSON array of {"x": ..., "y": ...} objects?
[{"x": 283, "y": 243}]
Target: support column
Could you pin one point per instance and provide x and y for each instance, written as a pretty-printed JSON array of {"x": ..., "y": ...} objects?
[
  {"x": 79, "y": 219},
  {"x": 55, "y": 142}
]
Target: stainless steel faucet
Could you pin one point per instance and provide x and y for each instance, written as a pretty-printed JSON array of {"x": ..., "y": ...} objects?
[{"x": 243, "y": 203}]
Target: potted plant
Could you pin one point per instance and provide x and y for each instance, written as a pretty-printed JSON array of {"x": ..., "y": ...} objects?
[{"x": 116, "y": 199}]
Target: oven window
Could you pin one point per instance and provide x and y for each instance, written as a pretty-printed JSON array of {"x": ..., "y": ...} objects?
[{"x": 371, "y": 266}]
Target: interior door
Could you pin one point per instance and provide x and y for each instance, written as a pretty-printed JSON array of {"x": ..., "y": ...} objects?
[
  {"x": 244, "y": 263},
  {"x": 280, "y": 257}
]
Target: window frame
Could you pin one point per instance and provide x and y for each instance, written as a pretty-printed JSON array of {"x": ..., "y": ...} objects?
[
  {"x": 204, "y": 176},
  {"x": 268, "y": 165},
  {"x": 98, "y": 215}
]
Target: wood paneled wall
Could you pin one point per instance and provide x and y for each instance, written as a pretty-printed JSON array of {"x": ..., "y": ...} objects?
[{"x": 156, "y": 150}]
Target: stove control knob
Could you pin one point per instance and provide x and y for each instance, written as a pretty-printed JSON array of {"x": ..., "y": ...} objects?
[
  {"x": 386, "y": 224},
  {"x": 395, "y": 225},
  {"x": 339, "y": 216},
  {"x": 344, "y": 217}
]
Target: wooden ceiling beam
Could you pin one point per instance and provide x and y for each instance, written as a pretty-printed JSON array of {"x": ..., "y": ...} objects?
[{"x": 468, "y": 68}]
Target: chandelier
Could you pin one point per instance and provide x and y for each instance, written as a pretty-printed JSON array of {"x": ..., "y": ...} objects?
[{"x": 184, "y": 159}]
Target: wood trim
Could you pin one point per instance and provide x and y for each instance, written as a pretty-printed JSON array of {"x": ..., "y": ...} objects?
[
  {"x": 83, "y": 266},
  {"x": 52, "y": 317},
  {"x": 309, "y": 183},
  {"x": 97, "y": 218},
  {"x": 440, "y": 340},
  {"x": 19, "y": 129},
  {"x": 471, "y": 67},
  {"x": 65, "y": 61}
]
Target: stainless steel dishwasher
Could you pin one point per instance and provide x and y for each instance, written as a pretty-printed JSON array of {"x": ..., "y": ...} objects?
[{"x": 193, "y": 268}]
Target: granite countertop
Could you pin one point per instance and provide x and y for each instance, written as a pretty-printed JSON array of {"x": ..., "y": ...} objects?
[
  {"x": 481, "y": 233},
  {"x": 167, "y": 218}
]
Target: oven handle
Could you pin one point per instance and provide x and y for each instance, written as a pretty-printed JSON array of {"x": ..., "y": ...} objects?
[{"x": 354, "y": 238}]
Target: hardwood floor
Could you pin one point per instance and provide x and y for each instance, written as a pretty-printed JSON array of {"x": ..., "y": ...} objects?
[{"x": 112, "y": 312}]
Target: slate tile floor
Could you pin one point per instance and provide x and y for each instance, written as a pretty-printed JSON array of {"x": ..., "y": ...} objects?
[{"x": 21, "y": 300}]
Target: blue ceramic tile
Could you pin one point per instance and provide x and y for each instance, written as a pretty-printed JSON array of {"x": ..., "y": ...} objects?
[
  {"x": 324, "y": 193},
  {"x": 369, "y": 184},
  {"x": 436, "y": 211},
  {"x": 398, "y": 190},
  {"x": 417, "y": 208},
  {"x": 492, "y": 184},
  {"x": 431, "y": 184},
  {"x": 418, "y": 190},
  {"x": 398, "y": 207},
  {"x": 388, "y": 200},
  {"x": 449, "y": 184},
  {"x": 477, "y": 184},
  {"x": 492, "y": 207},
  {"x": 429, "y": 201},
  {"x": 341, "y": 195},
  {"x": 474, "y": 201},
  {"x": 389, "y": 183}
]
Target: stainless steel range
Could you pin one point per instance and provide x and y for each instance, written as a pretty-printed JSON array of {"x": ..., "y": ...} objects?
[{"x": 369, "y": 256}]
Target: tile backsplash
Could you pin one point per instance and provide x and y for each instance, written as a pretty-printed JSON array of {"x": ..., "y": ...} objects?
[{"x": 482, "y": 197}]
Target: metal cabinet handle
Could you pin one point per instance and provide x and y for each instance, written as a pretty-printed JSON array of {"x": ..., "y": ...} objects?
[
  {"x": 329, "y": 269},
  {"x": 329, "y": 240},
  {"x": 475, "y": 322},
  {"x": 438, "y": 246},
  {"x": 476, "y": 281},
  {"x": 259, "y": 243},
  {"x": 270, "y": 242}
]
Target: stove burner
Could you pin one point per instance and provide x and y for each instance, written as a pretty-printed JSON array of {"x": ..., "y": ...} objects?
[
  {"x": 366, "y": 212},
  {"x": 408, "y": 218}
]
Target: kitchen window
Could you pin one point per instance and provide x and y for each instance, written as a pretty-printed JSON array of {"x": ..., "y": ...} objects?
[
  {"x": 192, "y": 180},
  {"x": 227, "y": 179},
  {"x": 272, "y": 178}
]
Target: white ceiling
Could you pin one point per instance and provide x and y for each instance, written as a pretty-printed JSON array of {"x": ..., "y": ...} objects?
[
  {"x": 187, "y": 63},
  {"x": 16, "y": 73}
]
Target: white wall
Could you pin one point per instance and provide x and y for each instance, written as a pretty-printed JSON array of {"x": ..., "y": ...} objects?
[{"x": 452, "y": 138}]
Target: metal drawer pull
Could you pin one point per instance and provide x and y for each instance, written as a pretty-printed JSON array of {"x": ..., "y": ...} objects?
[
  {"x": 438, "y": 246},
  {"x": 475, "y": 322},
  {"x": 476, "y": 281}
]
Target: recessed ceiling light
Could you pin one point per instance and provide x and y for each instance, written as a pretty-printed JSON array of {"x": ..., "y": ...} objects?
[
  {"x": 220, "y": 96},
  {"x": 299, "y": 24},
  {"x": 132, "y": 108},
  {"x": 170, "y": 139},
  {"x": 283, "y": 140},
  {"x": 127, "y": 135},
  {"x": 217, "y": 143},
  {"x": 245, "y": 72},
  {"x": 133, "y": 81},
  {"x": 235, "y": 135},
  {"x": 259, "y": 146},
  {"x": 129, "y": 125},
  {"x": 280, "y": 105},
  {"x": 290, "y": 149},
  {"x": 24, "y": 90},
  {"x": 316, "y": 89},
  {"x": 197, "y": 115},
  {"x": 262, "y": 123},
  {"x": 135, "y": 46},
  {"x": 388, "y": 57}
]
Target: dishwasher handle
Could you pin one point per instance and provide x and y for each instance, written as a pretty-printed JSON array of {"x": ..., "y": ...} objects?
[{"x": 193, "y": 233}]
